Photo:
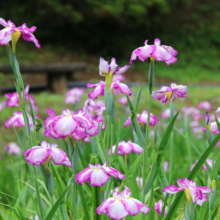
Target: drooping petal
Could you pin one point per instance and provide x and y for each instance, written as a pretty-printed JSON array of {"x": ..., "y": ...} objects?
[
  {"x": 110, "y": 170},
  {"x": 136, "y": 148},
  {"x": 64, "y": 126},
  {"x": 37, "y": 155},
  {"x": 27, "y": 34},
  {"x": 98, "y": 177},
  {"x": 125, "y": 148},
  {"x": 121, "y": 87},
  {"x": 83, "y": 176},
  {"x": 172, "y": 189},
  {"x": 203, "y": 199},
  {"x": 98, "y": 91},
  {"x": 3, "y": 22},
  {"x": 128, "y": 122},
  {"x": 59, "y": 156},
  {"x": 116, "y": 210},
  {"x": 121, "y": 70},
  {"x": 102, "y": 208},
  {"x": 205, "y": 189}
]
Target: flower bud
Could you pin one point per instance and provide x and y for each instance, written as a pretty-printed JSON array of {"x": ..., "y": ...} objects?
[
  {"x": 206, "y": 118},
  {"x": 212, "y": 184}
]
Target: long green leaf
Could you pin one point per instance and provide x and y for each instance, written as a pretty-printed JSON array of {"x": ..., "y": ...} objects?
[
  {"x": 160, "y": 154},
  {"x": 3, "y": 162},
  {"x": 84, "y": 203},
  {"x": 138, "y": 98},
  {"x": 56, "y": 205}
]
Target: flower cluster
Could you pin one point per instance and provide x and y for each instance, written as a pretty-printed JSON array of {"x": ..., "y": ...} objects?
[
  {"x": 143, "y": 118},
  {"x": 68, "y": 124},
  {"x": 126, "y": 148}
]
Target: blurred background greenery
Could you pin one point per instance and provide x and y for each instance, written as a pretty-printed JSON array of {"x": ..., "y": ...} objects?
[{"x": 84, "y": 30}]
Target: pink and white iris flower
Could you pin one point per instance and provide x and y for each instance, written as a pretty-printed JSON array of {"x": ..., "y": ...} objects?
[
  {"x": 112, "y": 69},
  {"x": 122, "y": 204},
  {"x": 12, "y": 148},
  {"x": 100, "y": 87},
  {"x": 40, "y": 154},
  {"x": 74, "y": 95},
  {"x": 126, "y": 148},
  {"x": 159, "y": 207},
  {"x": 98, "y": 175},
  {"x": 209, "y": 162},
  {"x": 165, "y": 94},
  {"x": 69, "y": 124},
  {"x": 205, "y": 105},
  {"x": 197, "y": 193},
  {"x": 13, "y": 99},
  {"x": 17, "y": 120},
  {"x": 142, "y": 119},
  {"x": 10, "y": 31},
  {"x": 157, "y": 51}
]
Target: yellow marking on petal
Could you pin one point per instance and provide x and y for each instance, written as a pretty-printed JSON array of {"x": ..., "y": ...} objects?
[
  {"x": 67, "y": 116},
  {"x": 188, "y": 195},
  {"x": 14, "y": 38},
  {"x": 169, "y": 95},
  {"x": 98, "y": 169},
  {"x": 119, "y": 200}
]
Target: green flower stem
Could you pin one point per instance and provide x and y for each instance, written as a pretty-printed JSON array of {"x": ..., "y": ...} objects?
[
  {"x": 74, "y": 196},
  {"x": 126, "y": 169},
  {"x": 172, "y": 113},
  {"x": 112, "y": 129},
  {"x": 96, "y": 201},
  {"x": 108, "y": 134}
]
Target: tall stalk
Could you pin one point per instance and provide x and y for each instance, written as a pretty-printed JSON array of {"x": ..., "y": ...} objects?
[
  {"x": 150, "y": 89},
  {"x": 172, "y": 113}
]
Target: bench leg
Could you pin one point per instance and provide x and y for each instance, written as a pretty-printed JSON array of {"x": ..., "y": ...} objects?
[{"x": 57, "y": 82}]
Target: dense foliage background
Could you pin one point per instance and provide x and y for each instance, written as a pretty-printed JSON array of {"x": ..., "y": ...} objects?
[{"x": 116, "y": 27}]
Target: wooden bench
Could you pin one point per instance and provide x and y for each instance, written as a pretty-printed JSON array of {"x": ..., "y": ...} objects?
[{"x": 57, "y": 74}]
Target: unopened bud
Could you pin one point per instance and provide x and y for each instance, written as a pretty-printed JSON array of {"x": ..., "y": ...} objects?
[
  {"x": 93, "y": 160},
  {"x": 206, "y": 118},
  {"x": 212, "y": 184}
]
